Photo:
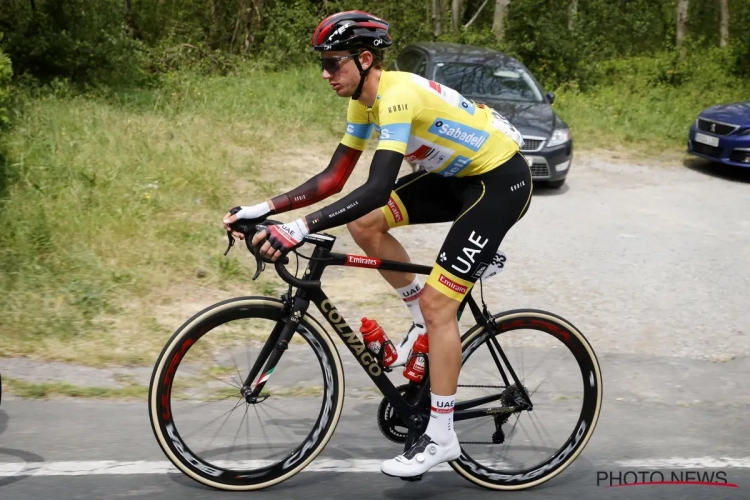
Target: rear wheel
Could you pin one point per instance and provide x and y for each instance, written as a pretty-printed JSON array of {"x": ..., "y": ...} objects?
[
  {"x": 210, "y": 431},
  {"x": 524, "y": 435}
]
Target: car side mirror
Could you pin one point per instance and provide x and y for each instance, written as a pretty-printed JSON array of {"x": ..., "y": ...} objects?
[{"x": 551, "y": 97}]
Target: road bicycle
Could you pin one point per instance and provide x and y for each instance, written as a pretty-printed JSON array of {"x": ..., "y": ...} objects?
[{"x": 267, "y": 357}]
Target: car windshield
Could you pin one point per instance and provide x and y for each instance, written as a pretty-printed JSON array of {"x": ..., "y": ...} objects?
[{"x": 482, "y": 80}]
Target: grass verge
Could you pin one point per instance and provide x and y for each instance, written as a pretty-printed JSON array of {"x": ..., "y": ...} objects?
[
  {"x": 48, "y": 390},
  {"x": 114, "y": 204}
]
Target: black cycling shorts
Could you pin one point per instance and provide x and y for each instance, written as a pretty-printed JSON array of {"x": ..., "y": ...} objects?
[{"x": 484, "y": 208}]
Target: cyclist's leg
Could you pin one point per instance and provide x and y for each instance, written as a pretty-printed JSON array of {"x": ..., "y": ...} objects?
[
  {"x": 417, "y": 198},
  {"x": 493, "y": 203}
]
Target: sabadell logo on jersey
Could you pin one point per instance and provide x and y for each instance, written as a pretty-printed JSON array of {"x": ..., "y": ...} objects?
[{"x": 468, "y": 137}]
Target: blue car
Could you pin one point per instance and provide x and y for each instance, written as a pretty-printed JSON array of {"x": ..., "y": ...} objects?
[{"x": 722, "y": 133}]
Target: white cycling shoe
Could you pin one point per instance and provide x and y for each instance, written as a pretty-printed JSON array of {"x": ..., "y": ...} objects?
[
  {"x": 404, "y": 348},
  {"x": 421, "y": 457}
]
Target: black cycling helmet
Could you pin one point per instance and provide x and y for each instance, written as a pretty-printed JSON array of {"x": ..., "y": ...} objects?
[{"x": 352, "y": 30}]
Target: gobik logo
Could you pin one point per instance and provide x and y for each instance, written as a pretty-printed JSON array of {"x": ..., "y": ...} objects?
[{"x": 658, "y": 478}]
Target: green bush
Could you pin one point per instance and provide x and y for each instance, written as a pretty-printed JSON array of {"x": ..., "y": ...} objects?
[
  {"x": 6, "y": 73},
  {"x": 84, "y": 41}
]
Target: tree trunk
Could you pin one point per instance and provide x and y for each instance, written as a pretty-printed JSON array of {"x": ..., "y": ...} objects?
[
  {"x": 476, "y": 14},
  {"x": 572, "y": 13},
  {"x": 213, "y": 24},
  {"x": 455, "y": 15},
  {"x": 682, "y": 16},
  {"x": 253, "y": 10},
  {"x": 436, "y": 18},
  {"x": 135, "y": 31},
  {"x": 724, "y": 29},
  {"x": 498, "y": 23}
]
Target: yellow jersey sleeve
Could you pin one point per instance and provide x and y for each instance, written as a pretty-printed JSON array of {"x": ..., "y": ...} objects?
[
  {"x": 358, "y": 126},
  {"x": 397, "y": 110}
]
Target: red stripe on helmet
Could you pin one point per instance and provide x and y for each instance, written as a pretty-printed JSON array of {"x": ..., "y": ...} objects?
[
  {"x": 370, "y": 24},
  {"x": 323, "y": 28}
]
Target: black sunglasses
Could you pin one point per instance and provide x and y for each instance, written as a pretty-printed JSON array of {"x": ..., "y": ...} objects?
[{"x": 333, "y": 64}]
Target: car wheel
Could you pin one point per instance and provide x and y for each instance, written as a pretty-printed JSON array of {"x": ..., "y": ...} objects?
[{"x": 556, "y": 184}]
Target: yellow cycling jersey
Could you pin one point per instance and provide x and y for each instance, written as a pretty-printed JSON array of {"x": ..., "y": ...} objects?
[{"x": 433, "y": 126}]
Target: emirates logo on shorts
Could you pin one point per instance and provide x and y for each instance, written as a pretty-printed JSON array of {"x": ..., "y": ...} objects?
[
  {"x": 452, "y": 284},
  {"x": 397, "y": 215}
]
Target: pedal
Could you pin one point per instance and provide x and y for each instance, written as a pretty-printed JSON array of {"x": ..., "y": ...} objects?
[{"x": 412, "y": 479}]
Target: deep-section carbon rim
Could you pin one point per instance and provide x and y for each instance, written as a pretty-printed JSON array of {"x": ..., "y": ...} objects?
[
  {"x": 590, "y": 382},
  {"x": 248, "y": 474}
]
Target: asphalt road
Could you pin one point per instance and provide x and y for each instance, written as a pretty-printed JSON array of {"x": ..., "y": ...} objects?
[{"x": 634, "y": 434}]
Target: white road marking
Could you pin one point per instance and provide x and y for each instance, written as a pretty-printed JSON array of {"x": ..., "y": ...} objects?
[{"x": 112, "y": 467}]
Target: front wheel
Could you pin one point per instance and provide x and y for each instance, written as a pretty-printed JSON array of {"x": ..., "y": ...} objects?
[
  {"x": 217, "y": 436},
  {"x": 518, "y": 432}
]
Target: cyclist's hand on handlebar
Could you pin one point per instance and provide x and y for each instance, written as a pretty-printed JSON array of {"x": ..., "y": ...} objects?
[
  {"x": 255, "y": 213},
  {"x": 281, "y": 238}
]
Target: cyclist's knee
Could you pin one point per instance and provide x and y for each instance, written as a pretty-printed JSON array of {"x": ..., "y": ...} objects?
[
  {"x": 368, "y": 226},
  {"x": 436, "y": 306}
]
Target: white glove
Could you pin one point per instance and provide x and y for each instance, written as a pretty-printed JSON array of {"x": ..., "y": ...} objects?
[{"x": 254, "y": 212}]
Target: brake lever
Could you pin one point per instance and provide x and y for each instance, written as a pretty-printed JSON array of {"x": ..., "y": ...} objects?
[
  {"x": 231, "y": 242},
  {"x": 261, "y": 265},
  {"x": 255, "y": 250}
]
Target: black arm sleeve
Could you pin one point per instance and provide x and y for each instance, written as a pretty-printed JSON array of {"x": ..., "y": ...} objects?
[
  {"x": 371, "y": 195},
  {"x": 322, "y": 185}
]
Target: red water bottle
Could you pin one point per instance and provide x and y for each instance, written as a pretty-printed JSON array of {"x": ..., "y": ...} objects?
[
  {"x": 415, "y": 367},
  {"x": 375, "y": 338}
]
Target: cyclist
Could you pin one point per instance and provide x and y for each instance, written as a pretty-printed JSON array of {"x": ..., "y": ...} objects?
[{"x": 474, "y": 177}]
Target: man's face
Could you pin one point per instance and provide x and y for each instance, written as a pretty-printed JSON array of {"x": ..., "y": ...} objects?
[{"x": 341, "y": 71}]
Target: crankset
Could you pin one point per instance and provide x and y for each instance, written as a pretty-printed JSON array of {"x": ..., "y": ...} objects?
[{"x": 389, "y": 421}]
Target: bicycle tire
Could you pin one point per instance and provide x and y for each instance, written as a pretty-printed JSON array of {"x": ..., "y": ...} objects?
[
  {"x": 168, "y": 362},
  {"x": 572, "y": 338}
]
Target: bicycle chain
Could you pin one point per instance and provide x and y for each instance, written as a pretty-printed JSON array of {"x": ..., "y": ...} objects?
[
  {"x": 482, "y": 387},
  {"x": 485, "y": 386}
]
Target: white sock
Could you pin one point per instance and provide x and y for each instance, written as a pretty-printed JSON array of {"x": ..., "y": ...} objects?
[
  {"x": 411, "y": 294},
  {"x": 440, "y": 427}
]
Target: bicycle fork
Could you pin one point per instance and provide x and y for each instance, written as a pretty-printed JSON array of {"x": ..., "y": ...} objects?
[{"x": 273, "y": 349}]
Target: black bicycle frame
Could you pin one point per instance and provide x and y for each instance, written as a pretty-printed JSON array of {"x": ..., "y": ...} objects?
[{"x": 309, "y": 290}]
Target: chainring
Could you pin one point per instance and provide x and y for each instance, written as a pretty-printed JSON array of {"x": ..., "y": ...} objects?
[{"x": 389, "y": 421}]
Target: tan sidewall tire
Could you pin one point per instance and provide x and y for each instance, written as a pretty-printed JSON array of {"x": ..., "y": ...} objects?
[
  {"x": 307, "y": 321},
  {"x": 472, "y": 334}
]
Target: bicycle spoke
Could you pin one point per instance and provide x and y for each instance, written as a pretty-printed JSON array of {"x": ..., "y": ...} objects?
[
  {"x": 239, "y": 427},
  {"x": 228, "y": 414},
  {"x": 541, "y": 429},
  {"x": 262, "y": 428}
]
